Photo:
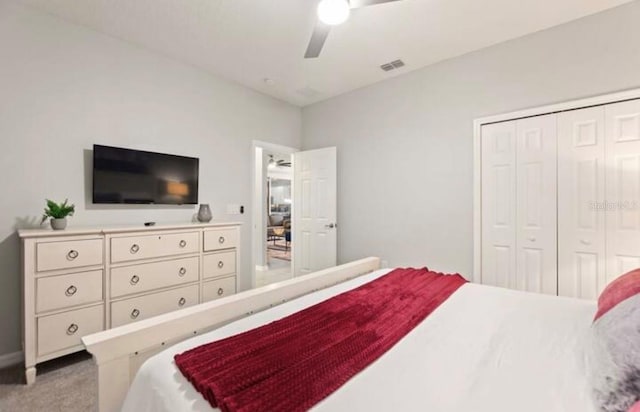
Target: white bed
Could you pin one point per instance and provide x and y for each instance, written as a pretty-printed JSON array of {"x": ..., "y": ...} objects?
[{"x": 484, "y": 350}]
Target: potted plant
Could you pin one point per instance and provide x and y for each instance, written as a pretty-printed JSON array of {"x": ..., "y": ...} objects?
[{"x": 58, "y": 213}]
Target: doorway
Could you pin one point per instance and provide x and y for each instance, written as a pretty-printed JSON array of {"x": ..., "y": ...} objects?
[{"x": 272, "y": 206}]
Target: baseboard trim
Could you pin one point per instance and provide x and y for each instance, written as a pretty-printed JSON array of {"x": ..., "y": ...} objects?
[{"x": 11, "y": 359}]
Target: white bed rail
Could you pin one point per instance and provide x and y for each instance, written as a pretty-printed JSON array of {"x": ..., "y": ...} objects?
[{"x": 119, "y": 352}]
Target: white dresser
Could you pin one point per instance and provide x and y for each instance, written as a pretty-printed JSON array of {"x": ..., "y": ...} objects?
[{"x": 84, "y": 280}]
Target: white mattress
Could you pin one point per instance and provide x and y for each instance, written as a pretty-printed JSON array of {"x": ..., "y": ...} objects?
[{"x": 485, "y": 349}]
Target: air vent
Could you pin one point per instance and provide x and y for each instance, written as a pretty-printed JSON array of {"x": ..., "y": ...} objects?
[{"x": 396, "y": 64}]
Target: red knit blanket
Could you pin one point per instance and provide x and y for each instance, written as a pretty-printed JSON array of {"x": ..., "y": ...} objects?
[{"x": 295, "y": 362}]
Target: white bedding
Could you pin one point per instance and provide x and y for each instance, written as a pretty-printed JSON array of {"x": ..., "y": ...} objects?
[{"x": 485, "y": 349}]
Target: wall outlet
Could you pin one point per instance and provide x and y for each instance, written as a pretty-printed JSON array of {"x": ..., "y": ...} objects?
[{"x": 233, "y": 209}]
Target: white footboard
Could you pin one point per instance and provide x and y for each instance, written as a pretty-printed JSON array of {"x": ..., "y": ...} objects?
[{"x": 119, "y": 352}]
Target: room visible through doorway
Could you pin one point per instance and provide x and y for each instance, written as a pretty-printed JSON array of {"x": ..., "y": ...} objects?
[{"x": 273, "y": 198}]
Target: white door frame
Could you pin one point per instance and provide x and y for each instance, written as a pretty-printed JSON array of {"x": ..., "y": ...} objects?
[
  {"x": 477, "y": 154},
  {"x": 259, "y": 242}
]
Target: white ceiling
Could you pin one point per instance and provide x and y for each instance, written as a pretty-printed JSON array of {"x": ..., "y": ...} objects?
[{"x": 250, "y": 40}]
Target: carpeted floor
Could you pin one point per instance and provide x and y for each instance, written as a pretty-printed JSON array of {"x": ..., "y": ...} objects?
[
  {"x": 279, "y": 250},
  {"x": 66, "y": 384}
]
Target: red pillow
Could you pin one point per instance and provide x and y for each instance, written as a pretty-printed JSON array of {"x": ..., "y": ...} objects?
[
  {"x": 635, "y": 407},
  {"x": 624, "y": 287}
]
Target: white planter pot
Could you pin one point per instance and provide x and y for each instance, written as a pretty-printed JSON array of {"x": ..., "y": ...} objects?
[{"x": 58, "y": 224}]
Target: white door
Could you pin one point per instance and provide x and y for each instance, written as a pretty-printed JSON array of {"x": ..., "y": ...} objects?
[
  {"x": 536, "y": 201},
  {"x": 498, "y": 142},
  {"x": 581, "y": 195},
  {"x": 622, "y": 131},
  {"x": 314, "y": 210}
]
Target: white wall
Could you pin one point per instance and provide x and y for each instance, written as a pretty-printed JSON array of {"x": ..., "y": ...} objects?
[
  {"x": 64, "y": 88},
  {"x": 405, "y": 147}
]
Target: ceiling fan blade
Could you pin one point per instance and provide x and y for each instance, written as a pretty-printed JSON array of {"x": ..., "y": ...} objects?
[
  {"x": 356, "y": 4},
  {"x": 318, "y": 37}
]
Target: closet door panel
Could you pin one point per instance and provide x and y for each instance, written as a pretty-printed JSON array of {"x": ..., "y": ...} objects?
[
  {"x": 536, "y": 201},
  {"x": 581, "y": 192},
  {"x": 498, "y": 204},
  {"x": 622, "y": 125}
]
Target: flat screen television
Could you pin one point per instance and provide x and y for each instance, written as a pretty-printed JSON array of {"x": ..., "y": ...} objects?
[{"x": 134, "y": 176}]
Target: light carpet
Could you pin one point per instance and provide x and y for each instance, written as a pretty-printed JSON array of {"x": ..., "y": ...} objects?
[
  {"x": 66, "y": 384},
  {"x": 279, "y": 250}
]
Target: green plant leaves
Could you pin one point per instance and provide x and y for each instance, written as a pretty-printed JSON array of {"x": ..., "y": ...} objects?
[{"x": 58, "y": 211}]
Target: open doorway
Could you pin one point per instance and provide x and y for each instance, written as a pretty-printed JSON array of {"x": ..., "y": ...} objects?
[
  {"x": 279, "y": 240},
  {"x": 273, "y": 242}
]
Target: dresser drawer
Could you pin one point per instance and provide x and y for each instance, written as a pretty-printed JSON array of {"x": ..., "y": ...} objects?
[
  {"x": 64, "y": 330},
  {"x": 217, "y": 239},
  {"x": 124, "y": 249},
  {"x": 218, "y": 288},
  {"x": 57, "y": 292},
  {"x": 148, "y": 276},
  {"x": 143, "y": 307},
  {"x": 219, "y": 264},
  {"x": 68, "y": 254}
]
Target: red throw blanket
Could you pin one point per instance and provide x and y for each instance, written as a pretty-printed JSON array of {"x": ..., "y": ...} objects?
[{"x": 295, "y": 362}]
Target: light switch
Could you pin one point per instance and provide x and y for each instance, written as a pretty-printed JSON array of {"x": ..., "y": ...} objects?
[{"x": 233, "y": 209}]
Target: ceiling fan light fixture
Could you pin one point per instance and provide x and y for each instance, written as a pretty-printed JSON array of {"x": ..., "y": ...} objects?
[{"x": 333, "y": 12}]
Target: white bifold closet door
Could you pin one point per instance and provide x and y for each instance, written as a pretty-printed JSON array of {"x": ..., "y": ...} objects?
[
  {"x": 519, "y": 245},
  {"x": 581, "y": 189},
  {"x": 598, "y": 197},
  {"x": 536, "y": 229},
  {"x": 622, "y": 152},
  {"x": 498, "y": 143}
]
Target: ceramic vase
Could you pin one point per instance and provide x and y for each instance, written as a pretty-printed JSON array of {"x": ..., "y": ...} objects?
[{"x": 204, "y": 213}]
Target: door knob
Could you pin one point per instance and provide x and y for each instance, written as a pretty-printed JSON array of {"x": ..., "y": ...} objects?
[{"x": 330, "y": 225}]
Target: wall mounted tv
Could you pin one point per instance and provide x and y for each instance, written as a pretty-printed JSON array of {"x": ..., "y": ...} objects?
[{"x": 133, "y": 176}]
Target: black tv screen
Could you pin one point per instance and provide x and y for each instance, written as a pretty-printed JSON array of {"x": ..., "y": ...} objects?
[{"x": 133, "y": 176}]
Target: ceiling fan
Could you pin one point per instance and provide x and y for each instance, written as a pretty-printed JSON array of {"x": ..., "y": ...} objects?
[
  {"x": 333, "y": 13},
  {"x": 279, "y": 163}
]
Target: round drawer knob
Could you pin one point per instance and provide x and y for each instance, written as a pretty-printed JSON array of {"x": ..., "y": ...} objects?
[
  {"x": 72, "y": 254},
  {"x": 73, "y": 328},
  {"x": 220, "y": 264},
  {"x": 134, "y": 280},
  {"x": 220, "y": 291},
  {"x": 135, "y": 313},
  {"x": 221, "y": 239},
  {"x": 182, "y": 271},
  {"x": 71, "y": 290},
  {"x": 183, "y": 243},
  {"x": 182, "y": 301},
  {"x": 134, "y": 248}
]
